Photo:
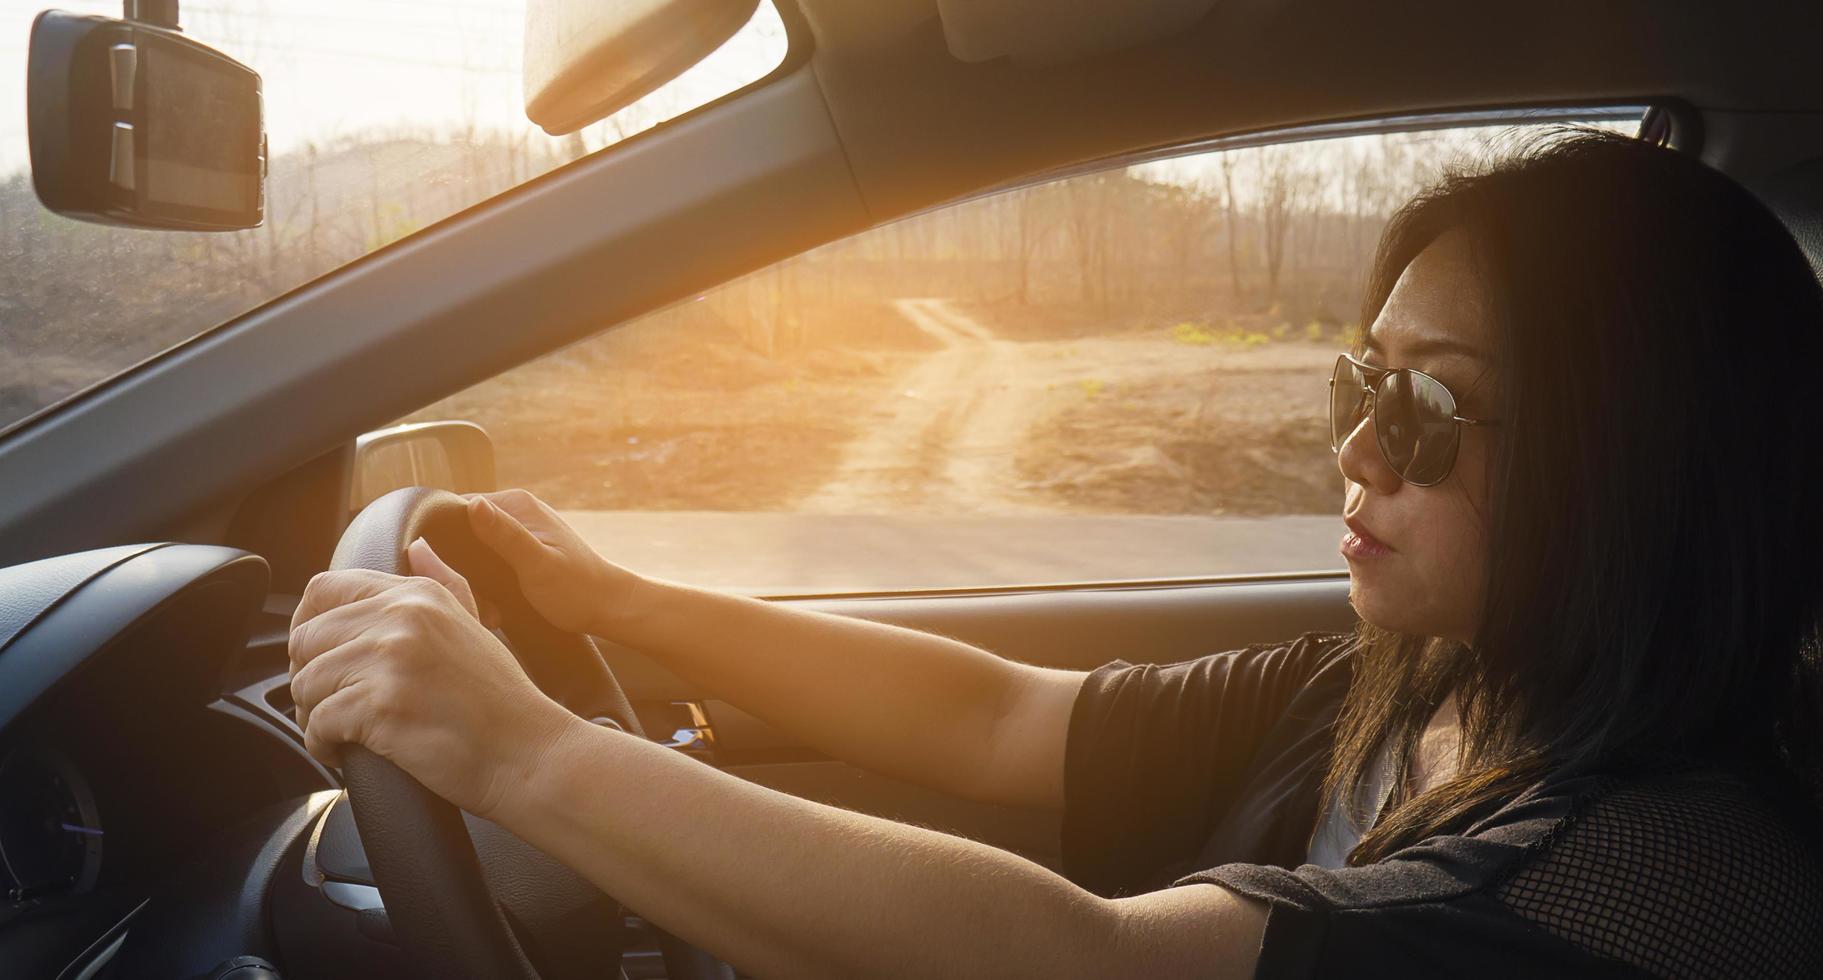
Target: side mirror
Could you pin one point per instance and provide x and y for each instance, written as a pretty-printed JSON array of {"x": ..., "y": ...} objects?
[
  {"x": 135, "y": 124},
  {"x": 454, "y": 456}
]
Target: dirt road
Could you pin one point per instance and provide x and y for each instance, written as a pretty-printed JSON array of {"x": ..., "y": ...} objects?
[
  {"x": 955, "y": 435},
  {"x": 940, "y": 439}
]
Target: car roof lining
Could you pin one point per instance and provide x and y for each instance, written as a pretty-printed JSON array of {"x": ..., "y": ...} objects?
[
  {"x": 906, "y": 107},
  {"x": 1040, "y": 32}
]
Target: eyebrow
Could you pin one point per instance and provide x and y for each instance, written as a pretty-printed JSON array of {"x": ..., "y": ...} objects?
[{"x": 1435, "y": 347}]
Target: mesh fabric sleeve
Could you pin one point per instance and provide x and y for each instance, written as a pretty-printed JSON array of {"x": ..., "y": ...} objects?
[
  {"x": 1156, "y": 754},
  {"x": 1691, "y": 875}
]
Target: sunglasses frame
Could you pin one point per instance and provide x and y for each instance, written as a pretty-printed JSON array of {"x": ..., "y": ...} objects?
[{"x": 1372, "y": 377}]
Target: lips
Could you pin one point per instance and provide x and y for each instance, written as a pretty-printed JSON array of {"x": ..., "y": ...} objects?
[{"x": 1359, "y": 542}]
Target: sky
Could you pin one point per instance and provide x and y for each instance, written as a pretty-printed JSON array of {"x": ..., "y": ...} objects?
[{"x": 332, "y": 68}]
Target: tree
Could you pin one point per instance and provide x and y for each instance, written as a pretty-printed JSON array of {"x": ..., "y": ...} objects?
[
  {"x": 1086, "y": 217},
  {"x": 1286, "y": 181},
  {"x": 1226, "y": 163},
  {"x": 1185, "y": 216}
]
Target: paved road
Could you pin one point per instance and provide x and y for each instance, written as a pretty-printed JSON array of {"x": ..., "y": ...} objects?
[{"x": 788, "y": 554}]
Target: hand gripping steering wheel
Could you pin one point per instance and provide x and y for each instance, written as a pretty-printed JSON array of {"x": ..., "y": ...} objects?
[{"x": 437, "y": 891}]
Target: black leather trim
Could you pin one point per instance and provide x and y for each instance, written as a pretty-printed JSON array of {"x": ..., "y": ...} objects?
[
  {"x": 126, "y": 587},
  {"x": 29, "y": 591}
]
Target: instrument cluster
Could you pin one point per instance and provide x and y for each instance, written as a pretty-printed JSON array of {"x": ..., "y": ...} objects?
[{"x": 51, "y": 838}]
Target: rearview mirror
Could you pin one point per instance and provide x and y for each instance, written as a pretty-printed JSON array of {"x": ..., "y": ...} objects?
[
  {"x": 135, "y": 124},
  {"x": 453, "y": 455},
  {"x": 586, "y": 60}
]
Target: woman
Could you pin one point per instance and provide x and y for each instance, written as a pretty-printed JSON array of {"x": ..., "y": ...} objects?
[{"x": 1574, "y": 734}]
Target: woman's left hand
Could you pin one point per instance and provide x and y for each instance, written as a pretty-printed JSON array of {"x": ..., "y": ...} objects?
[{"x": 404, "y": 667}]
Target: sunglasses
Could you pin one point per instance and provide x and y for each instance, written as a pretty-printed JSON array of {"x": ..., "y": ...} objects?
[{"x": 1415, "y": 418}]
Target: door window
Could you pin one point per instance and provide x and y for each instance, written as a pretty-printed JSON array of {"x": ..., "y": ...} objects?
[{"x": 1112, "y": 377}]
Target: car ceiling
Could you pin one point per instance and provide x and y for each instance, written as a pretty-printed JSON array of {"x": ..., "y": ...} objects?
[{"x": 920, "y": 125}]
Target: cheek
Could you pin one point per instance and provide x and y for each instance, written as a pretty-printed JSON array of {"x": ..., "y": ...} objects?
[
  {"x": 1457, "y": 575},
  {"x": 1460, "y": 542},
  {"x": 1437, "y": 585},
  {"x": 1469, "y": 504}
]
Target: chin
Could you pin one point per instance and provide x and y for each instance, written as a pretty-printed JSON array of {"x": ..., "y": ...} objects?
[
  {"x": 1380, "y": 608},
  {"x": 1394, "y": 611}
]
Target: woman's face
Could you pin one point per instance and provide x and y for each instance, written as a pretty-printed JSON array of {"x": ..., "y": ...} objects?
[{"x": 1417, "y": 555}]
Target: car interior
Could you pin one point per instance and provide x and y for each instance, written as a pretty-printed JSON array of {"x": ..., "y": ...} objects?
[{"x": 159, "y": 816}]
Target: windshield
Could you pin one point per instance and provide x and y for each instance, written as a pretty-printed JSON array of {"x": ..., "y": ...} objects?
[{"x": 384, "y": 117}]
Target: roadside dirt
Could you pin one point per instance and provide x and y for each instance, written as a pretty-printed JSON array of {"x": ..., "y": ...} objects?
[
  {"x": 672, "y": 416},
  {"x": 1240, "y": 434},
  {"x": 955, "y": 420}
]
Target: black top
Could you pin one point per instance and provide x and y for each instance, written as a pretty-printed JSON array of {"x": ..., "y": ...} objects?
[{"x": 1209, "y": 772}]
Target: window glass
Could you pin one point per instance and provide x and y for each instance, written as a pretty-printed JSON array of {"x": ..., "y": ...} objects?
[
  {"x": 1115, "y": 376},
  {"x": 384, "y": 117}
]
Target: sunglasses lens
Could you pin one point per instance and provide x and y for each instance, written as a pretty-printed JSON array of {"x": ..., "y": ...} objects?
[
  {"x": 1414, "y": 417},
  {"x": 1347, "y": 401}
]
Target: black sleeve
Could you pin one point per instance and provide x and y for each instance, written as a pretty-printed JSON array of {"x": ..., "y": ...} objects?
[
  {"x": 1156, "y": 754},
  {"x": 1683, "y": 875},
  {"x": 1423, "y": 912}
]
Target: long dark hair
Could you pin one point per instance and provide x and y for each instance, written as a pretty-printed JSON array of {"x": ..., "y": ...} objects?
[{"x": 1656, "y": 525}]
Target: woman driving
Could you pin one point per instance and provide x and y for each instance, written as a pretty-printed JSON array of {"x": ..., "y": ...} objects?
[{"x": 1574, "y": 734}]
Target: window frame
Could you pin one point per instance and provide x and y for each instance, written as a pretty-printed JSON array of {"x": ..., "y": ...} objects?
[
  {"x": 1331, "y": 129},
  {"x": 1593, "y": 112},
  {"x": 1631, "y": 110},
  {"x": 1680, "y": 124}
]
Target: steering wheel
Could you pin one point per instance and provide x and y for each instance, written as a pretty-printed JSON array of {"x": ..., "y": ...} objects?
[{"x": 437, "y": 892}]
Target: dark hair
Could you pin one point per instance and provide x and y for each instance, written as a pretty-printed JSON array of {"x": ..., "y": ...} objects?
[{"x": 1656, "y": 519}]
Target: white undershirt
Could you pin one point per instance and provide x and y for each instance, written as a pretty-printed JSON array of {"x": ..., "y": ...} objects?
[{"x": 1337, "y": 832}]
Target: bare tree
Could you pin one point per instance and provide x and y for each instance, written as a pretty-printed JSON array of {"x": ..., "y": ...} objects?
[
  {"x": 1185, "y": 217},
  {"x": 1226, "y": 163},
  {"x": 1285, "y": 183},
  {"x": 1086, "y": 218},
  {"x": 1033, "y": 231}
]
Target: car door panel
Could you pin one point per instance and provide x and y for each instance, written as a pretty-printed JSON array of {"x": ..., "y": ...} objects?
[{"x": 1077, "y": 629}]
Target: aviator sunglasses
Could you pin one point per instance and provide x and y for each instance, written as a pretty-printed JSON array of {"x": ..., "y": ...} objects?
[{"x": 1415, "y": 417}]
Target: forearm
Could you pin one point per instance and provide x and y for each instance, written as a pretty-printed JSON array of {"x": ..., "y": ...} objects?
[
  {"x": 784, "y": 887},
  {"x": 909, "y": 704}
]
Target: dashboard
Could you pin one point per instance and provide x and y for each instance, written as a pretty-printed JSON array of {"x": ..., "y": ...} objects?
[
  {"x": 50, "y": 830},
  {"x": 145, "y": 761}
]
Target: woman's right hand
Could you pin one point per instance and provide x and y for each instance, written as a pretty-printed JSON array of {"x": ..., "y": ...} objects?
[{"x": 563, "y": 578}]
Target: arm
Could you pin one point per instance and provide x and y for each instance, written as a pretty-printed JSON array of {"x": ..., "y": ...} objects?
[
  {"x": 917, "y": 706},
  {"x": 780, "y": 885},
  {"x": 785, "y": 887},
  {"x": 920, "y": 707}
]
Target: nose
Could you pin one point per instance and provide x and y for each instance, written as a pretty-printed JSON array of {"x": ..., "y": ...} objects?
[{"x": 1362, "y": 463}]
